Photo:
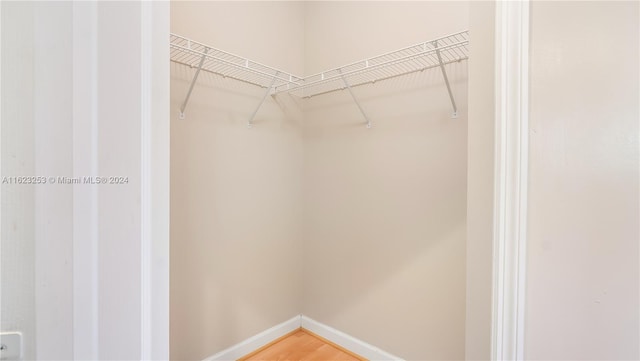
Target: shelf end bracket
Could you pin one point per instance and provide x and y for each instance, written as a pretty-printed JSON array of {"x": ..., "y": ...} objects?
[
  {"x": 348, "y": 86},
  {"x": 446, "y": 81},
  {"x": 264, "y": 97},
  {"x": 193, "y": 83}
]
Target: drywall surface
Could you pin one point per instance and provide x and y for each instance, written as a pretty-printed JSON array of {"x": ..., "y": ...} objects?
[
  {"x": 385, "y": 208},
  {"x": 18, "y": 147},
  {"x": 480, "y": 180},
  {"x": 72, "y": 251},
  {"x": 234, "y": 191},
  {"x": 37, "y": 278},
  {"x": 53, "y": 71},
  {"x": 582, "y": 266}
]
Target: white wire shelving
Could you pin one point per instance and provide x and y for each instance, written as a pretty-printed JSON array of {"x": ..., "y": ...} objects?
[
  {"x": 203, "y": 57},
  {"x": 435, "y": 53}
]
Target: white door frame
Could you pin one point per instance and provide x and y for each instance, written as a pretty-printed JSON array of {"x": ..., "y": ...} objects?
[
  {"x": 510, "y": 192},
  {"x": 155, "y": 177},
  {"x": 153, "y": 244},
  {"x": 510, "y": 179}
]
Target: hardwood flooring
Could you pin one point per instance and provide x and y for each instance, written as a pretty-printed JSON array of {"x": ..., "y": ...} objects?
[{"x": 301, "y": 345}]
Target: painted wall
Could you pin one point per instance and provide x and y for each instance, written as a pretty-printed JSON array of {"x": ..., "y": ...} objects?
[
  {"x": 18, "y": 158},
  {"x": 385, "y": 208},
  {"x": 235, "y": 192},
  {"x": 480, "y": 180},
  {"x": 37, "y": 279},
  {"x": 72, "y": 254},
  {"x": 582, "y": 266}
]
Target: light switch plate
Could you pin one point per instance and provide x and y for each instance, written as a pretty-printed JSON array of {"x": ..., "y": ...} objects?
[{"x": 10, "y": 346}]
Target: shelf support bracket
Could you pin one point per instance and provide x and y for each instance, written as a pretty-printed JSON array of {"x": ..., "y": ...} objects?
[
  {"x": 446, "y": 81},
  {"x": 193, "y": 83},
  {"x": 346, "y": 84},
  {"x": 264, "y": 97}
]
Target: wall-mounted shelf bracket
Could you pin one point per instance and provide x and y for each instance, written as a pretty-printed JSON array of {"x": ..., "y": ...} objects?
[
  {"x": 268, "y": 90},
  {"x": 346, "y": 84},
  {"x": 446, "y": 80},
  {"x": 193, "y": 83}
]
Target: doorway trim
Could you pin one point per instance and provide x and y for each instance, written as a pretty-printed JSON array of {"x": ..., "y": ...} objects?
[
  {"x": 510, "y": 179},
  {"x": 154, "y": 181}
]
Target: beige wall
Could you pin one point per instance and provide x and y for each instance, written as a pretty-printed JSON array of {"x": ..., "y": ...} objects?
[
  {"x": 385, "y": 208},
  {"x": 363, "y": 230},
  {"x": 480, "y": 181},
  {"x": 234, "y": 191},
  {"x": 582, "y": 266}
]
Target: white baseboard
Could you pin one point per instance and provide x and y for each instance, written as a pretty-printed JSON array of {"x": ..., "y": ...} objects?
[
  {"x": 253, "y": 343},
  {"x": 348, "y": 342},
  {"x": 339, "y": 338}
]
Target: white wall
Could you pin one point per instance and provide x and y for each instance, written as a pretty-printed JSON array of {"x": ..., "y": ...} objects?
[
  {"x": 582, "y": 266},
  {"x": 480, "y": 180},
  {"x": 18, "y": 213},
  {"x": 385, "y": 208},
  {"x": 37, "y": 220},
  {"x": 53, "y": 97},
  {"x": 235, "y": 191},
  {"x": 77, "y": 89}
]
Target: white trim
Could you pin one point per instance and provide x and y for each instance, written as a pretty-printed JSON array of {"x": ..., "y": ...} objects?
[
  {"x": 511, "y": 165},
  {"x": 1, "y": 153},
  {"x": 350, "y": 343},
  {"x": 253, "y": 343},
  {"x": 146, "y": 61},
  {"x": 85, "y": 199},
  {"x": 154, "y": 262}
]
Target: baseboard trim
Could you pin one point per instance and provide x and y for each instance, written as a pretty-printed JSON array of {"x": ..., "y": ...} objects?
[
  {"x": 341, "y": 339},
  {"x": 253, "y": 343},
  {"x": 350, "y": 343}
]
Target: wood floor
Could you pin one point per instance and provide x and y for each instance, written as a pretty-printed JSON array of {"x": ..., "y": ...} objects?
[{"x": 301, "y": 345}]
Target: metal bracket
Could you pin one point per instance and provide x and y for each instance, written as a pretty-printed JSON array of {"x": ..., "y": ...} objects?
[
  {"x": 264, "y": 97},
  {"x": 446, "y": 80},
  {"x": 346, "y": 84},
  {"x": 193, "y": 83}
]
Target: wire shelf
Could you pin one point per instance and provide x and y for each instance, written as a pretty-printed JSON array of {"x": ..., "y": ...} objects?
[
  {"x": 429, "y": 54},
  {"x": 451, "y": 48},
  {"x": 191, "y": 53}
]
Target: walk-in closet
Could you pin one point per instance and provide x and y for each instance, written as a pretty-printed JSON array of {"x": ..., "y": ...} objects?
[
  {"x": 319, "y": 180},
  {"x": 318, "y": 172}
]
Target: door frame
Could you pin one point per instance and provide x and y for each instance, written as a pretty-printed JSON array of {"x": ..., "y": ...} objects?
[
  {"x": 155, "y": 176},
  {"x": 510, "y": 196},
  {"x": 511, "y": 149}
]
